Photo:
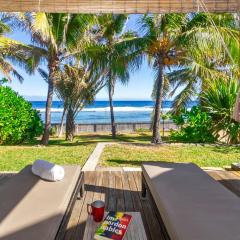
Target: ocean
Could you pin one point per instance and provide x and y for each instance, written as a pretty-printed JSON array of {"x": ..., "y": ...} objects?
[{"x": 98, "y": 112}]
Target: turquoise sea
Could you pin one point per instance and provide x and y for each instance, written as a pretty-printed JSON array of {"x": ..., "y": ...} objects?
[{"x": 98, "y": 112}]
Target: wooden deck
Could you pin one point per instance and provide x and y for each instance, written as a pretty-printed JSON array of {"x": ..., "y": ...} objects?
[{"x": 122, "y": 191}]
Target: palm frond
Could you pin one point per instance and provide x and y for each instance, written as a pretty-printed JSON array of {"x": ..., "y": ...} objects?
[
  {"x": 43, "y": 74},
  {"x": 182, "y": 99},
  {"x": 8, "y": 70},
  {"x": 41, "y": 29}
]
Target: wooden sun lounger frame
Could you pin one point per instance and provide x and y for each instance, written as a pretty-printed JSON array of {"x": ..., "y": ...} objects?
[
  {"x": 145, "y": 190},
  {"x": 77, "y": 194}
]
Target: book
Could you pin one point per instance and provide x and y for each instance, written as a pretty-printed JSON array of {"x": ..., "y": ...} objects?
[{"x": 113, "y": 227}]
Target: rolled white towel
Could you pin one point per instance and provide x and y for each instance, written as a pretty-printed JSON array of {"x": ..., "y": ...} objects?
[{"x": 47, "y": 170}]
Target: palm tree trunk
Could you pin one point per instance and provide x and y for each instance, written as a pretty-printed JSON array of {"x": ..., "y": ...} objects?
[
  {"x": 70, "y": 125},
  {"x": 156, "y": 138},
  {"x": 163, "y": 127},
  {"x": 46, "y": 133},
  {"x": 110, "y": 95},
  {"x": 62, "y": 122},
  {"x": 52, "y": 68}
]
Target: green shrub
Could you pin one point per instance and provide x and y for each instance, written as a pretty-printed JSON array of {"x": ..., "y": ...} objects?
[
  {"x": 18, "y": 121},
  {"x": 194, "y": 126},
  {"x": 218, "y": 99}
]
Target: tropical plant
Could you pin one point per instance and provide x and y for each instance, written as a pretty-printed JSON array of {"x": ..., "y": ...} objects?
[
  {"x": 60, "y": 36},
  {"x": 194, "y": 126},
  {"x": 214, "y": 53},
  {"x": 115, "y": 53},
  {"x": 18, "y": 121},
  {"x": 182, "y": 43},
  {"x": 218, "y": 100},
  {"x": 77, "y": 87}
]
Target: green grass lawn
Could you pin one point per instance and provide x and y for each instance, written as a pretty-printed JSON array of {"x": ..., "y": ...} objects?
[
  {"x": 14, "y": 158},
  {"x": 204, "y": 156}
]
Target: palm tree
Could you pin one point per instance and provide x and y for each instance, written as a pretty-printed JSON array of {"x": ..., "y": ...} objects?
[
  {"x": 160, "y": 33},
  {"x": 60, "y": 36},
  {"x": 12, "y": 51},
  {"x": 176, "y": 42},
  {"x": 77, "y": 87},
  {"x": 217, "y": 59},
  {"x": 115, "y": 52}
]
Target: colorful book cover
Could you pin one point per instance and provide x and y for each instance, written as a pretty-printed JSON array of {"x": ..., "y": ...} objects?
[{"x": 113, "y": 227}]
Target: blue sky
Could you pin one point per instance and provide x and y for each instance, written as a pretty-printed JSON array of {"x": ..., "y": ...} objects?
[{"x": 139, "y": 86}]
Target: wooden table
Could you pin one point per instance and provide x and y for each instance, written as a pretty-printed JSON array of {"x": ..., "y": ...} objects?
[{"x": 135, "y": 229}]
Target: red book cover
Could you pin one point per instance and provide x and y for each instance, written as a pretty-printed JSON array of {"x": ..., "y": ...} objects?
[{"x": 113, "y": 227}]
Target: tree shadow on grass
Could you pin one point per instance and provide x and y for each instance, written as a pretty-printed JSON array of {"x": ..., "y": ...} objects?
[
  {"x": 85, "y": 139},
  {"x": 142, "y": 137},
  {"x": 121, "y": 162},
  {"x": 58, "y": 142},
  {"x": 226, "y": 149},
  {"x": 96, "y": 138}
]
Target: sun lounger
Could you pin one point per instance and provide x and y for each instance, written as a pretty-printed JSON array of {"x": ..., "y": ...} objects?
[
  {"x": 190, "y": 204},
  {"x": 34, "y": 209}
]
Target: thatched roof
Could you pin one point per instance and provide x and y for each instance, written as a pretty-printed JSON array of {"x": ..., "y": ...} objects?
[{"x": 120, "y": 6}]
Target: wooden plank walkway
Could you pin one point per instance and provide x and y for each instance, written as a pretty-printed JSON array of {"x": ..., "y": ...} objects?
[{"x": 122, "y": 191}]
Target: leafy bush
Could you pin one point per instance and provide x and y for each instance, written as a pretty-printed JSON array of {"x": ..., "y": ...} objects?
[
  {"x": 218, "y": 100},
  {"x": 18, "y": 121},
  {"x": 194, "y": 126}
]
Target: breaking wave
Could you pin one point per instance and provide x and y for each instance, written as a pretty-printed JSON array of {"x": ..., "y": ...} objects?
[{"x": 105, "y": 109}]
